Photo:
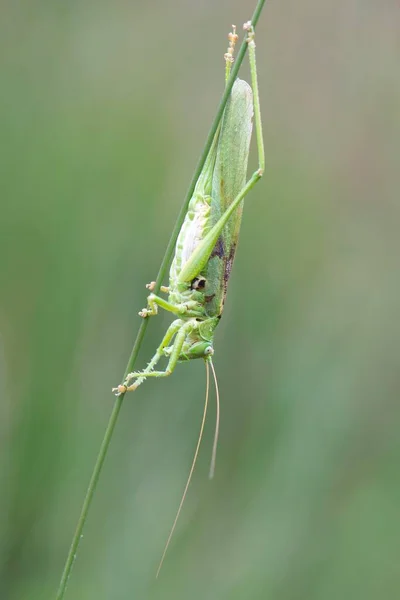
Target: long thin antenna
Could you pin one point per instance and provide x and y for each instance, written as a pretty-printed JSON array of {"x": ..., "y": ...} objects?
[
  {"x": 216, "y": 435},
  {"x": 171, "y": 533}
]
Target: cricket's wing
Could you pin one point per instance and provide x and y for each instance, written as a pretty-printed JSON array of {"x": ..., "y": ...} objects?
[{"x": 229, "y": 178}]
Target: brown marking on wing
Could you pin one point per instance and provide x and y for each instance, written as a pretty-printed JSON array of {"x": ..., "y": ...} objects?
[
  {"x": 227, "y": 272},
  {"x": 218, "y": 248}
]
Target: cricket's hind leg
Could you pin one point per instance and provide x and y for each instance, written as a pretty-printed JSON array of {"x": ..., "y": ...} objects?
[{"x": 178, "y": 328}]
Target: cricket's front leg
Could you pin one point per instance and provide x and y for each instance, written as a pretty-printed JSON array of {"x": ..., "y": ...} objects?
[
  {"x": 181, "y": 330},
  {"x": 191, "y": 308},
  {"x": 171, "y": 331}
]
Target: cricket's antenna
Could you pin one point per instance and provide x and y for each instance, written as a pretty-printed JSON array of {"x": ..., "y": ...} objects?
[
  {"x": 171, "y": 533},
  {"x": 216, "y": 435},
  {"x": 228, "y": 56}
]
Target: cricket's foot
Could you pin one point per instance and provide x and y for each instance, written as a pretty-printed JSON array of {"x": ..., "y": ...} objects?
[
  {"x": 147, "y": 312},
  {"x": 122, "y": 389}
]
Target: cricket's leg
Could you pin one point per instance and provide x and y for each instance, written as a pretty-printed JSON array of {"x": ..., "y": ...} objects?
[
  {"x": 181, "y": 334},
  {"x": 217, "y": 228},
  {"x": 190, "y": 309},
  {"x": 256, "y": 97},
  {"x": 171, "y": 331}
]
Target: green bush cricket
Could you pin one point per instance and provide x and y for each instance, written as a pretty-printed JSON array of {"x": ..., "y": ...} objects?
[{"x": 206, "y": 244}]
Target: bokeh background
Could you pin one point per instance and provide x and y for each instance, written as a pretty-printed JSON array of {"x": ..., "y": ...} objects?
[{"x": 104, "y": 109}]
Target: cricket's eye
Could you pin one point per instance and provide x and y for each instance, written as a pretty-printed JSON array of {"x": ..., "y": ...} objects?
[
  {"x": 198, "y": 283},
  {"x": 209, "y": 351}
]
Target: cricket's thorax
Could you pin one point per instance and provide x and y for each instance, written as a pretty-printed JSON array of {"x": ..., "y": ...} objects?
[
  {"x": 199, "y": 342},
  {"x": 193, "y": 230}
]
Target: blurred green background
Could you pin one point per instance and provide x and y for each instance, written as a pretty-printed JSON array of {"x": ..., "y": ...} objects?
[{"x": 104, "y": 109}]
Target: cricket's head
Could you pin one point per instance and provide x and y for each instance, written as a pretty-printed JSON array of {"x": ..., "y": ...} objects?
[
  {"x": 199, "y": 350},
  {"x": 199, "y": 342}
]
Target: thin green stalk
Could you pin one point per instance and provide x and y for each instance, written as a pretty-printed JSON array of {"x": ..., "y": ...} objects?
[{"x": 142, "y": 329}]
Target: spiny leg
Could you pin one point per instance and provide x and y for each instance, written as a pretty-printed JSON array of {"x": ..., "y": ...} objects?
[
  {"x": 181, "y": 332},
  {"x": 171, "y": 331},
  {"x": 177, "y": 346},
  {"x": 214, "y": 232},
  {"x": 259, "y": 137},
  {"x": 256, "y": 96}
]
